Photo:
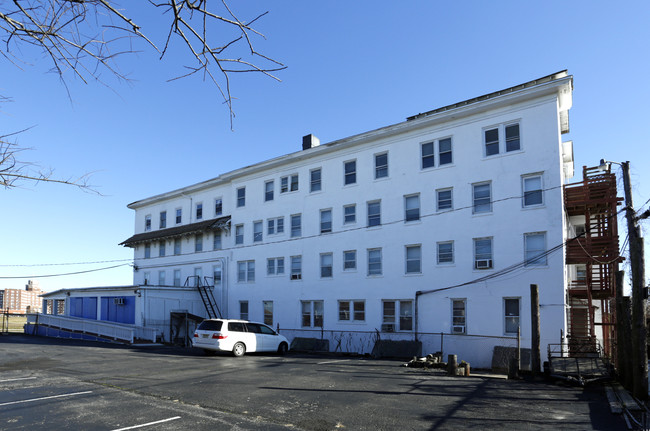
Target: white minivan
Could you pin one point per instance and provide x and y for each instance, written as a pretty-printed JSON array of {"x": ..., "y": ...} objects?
[{"x": 238, "y": 337}]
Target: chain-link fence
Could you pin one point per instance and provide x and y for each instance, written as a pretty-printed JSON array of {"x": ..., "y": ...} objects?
[{"x": 12, "y": 323}]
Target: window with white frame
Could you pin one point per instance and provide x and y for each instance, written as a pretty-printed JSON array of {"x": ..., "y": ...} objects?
[
  {"x": 275, "y": 266},
  {"x": 458, "y": 316},
  {"x": 246, "y": 271},
  {"x": 296, "y": 267},
  {"x": 268, "y": 312},
  {"x": 268, "y": 191},
  {"x": 491, "y": 141},
  {"x": 482, "y": 197},
  {"x": 162, "y": 248},
  {"x": 216, "y": 241},
  {"x": 533, "y": 194},
  {"x": 161, "y": 278},
  {"x": 413, "y": 259},
  {"x": 243, "y": 310},
  {"x": 296, "y": 225},
  {"x": 374, "y": 213},
  {"x": 199, "y": 211},
  {"x": 258, "y": 228},
  {"x": 513, "y": 142},
  {"x": 349, "y": 214},
  {"x": 217, "y": 274},
  {"x": 198, "y": 274},
  {"x": 198, "y": 242},
  {"x": 315, "y": 180},
  {"x": 350, "y": 172},
  {"x": 391, "y": 321},
  {"x": 444, "y": 199},
  {"x": 512, "y": 314},
  {"x": 374, "y": 261},
  {"x": 381, "y": 165},
  {"x": 494, "y": 139},
  {"x": 349, "y": 260},
  {"x": 177, "y": 277},
  {"x": 326, "y": 221},
  {"x": 412, "y": 208},
  {"x": 163, "y": 220},
  {"x": 179, "y": 215},
  {"x": 428, "y": 156},
  {"x": 483, "y": 253},
  {"x": 241, "y": 197},
  {"x": 535, "y": 249},
  {"x": 445, "y": 252},
  {"x": 239, "y": 234},
  {"x": 147, "y": 251},
  {"x": 177, "y": 246},
  {"x": 289, "y": 183},
  {"x": 147, "y": 222},
  {"x": 352, "y": 311},
  {"x": 445, "y": 155},
  {"x": 218, "y": 206},
  {"x": 147, "y": 278},
  {"x": 312, "y": 314},
  {"x": 275, "y": 225},
  {"x": 326, "y": 263}
]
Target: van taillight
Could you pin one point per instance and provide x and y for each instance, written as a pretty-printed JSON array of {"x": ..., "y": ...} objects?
[
  {"x": 196, "y": 335},
  {"x": 218, "y": 336}
]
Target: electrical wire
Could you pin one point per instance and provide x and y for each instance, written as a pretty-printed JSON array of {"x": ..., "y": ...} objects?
[
  {"x": 64, "y": 264},
  {"x": 68, "y": 273}
]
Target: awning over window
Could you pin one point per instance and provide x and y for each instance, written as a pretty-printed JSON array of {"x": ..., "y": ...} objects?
[{"x": 221, "y": 223}]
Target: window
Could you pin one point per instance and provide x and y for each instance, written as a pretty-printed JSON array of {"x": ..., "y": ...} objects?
[
  {"x": 198, "y": 243},
  {"x": 289, "y": 183},
  {"x": 179, "y": 215},
  {"x": 326, "y": 263},
  {"x": 147, "y": 278},
  {"x": 268, "y": 312},
  {"x": 428, "y": 156},
  {"x": 258, "y": 228},
  {"x": 216, "y": 242},
  {"x": 482, "y": 253},
  {"x": 163, "y": 220},
  {"x": 268, "y": 191},
  {"x": 296, "y": 267},
  {"x": 177, "y": 277},
  {"x": 218, "y": 206},
  {"x": 315, "y": 180},
  {"x": 405, "y": 322},
  {"x": 445, "y": 252},
  {"x": 458, "y": 316},
  {"x": 162, "y": 249},
  {"x": 444, "y": 199},
  {"x": 532, "y": 190},
  {"x": 147, "y": 222},
  {"x": 246, "y": 271},
  {"x": 147, "y": 251},
  {"x": 350, "y": 214},
  {"x": 198, "y": 274},
  {"x": 217, "y": 275},
  {"x": 535, "y": 249},
  {"x": 413, "y": 259},
  {"x": 512, "y": 138},
  {"x": 199, "y": 211},
  {"x": 350, "y": 172},
  {"x": 325, "y": 221},
  {"x": 239, "y": 234},
  {"x": 312, "y": 314},
  {"x": 511, "y": 306},
  {"x": 275, "y": 225},
  {"x": 296, "y": 229},
  {"x": 482, "y": 197},
  {"x": 381, "y": 165},
  {"x": 411, "y": 208},
  {"x": 374, "y": 213},
  {"x": 177, "y": 246},
  {"x": 349, "y": 260},
  {"x": 241, "y": 197},
  {"x": 275, "y": 266},
  {"x": 352, "y": 311},
  {"x": 374, "y": 261},
  {"x": 491, "y": 142},
  {"x": 243, "y": 310},
  {"x": 161, "y": 278},
  {"x": 444, "y": 152}
]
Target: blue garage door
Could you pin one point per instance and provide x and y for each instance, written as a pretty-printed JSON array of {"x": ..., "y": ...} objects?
[
  {"x": 84, "y": 307},
  {"x": 120, "y": 309}
]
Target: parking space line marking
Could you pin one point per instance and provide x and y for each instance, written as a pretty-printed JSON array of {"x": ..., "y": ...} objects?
[
  {"x": 148, "y": 424},
  {"x": 45, "y": 398},
  {"x": 19, "y": 378},
  {"x": 332, "y": 362}
]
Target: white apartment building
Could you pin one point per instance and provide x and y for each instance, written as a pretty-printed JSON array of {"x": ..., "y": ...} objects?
[{"x": 437, "y": 224}]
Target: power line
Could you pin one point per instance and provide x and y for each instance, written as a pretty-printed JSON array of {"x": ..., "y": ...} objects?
[
  {"x": 64, "y": 264},
  {"x": 68, "y": 273}
]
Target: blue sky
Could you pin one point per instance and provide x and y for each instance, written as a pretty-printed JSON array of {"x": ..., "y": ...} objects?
[{"x": 352, "y": 67}]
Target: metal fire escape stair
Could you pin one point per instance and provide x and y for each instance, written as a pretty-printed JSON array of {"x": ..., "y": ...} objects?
[{"x": 206, "y": 293}]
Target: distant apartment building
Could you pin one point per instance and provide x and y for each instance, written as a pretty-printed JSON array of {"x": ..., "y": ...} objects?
[{"x": 21, "y": 301}]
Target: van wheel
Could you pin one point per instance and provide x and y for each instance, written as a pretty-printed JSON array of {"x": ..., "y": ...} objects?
[
  {"x": 282, "y": 349},
  {"x": 239, "y": 349}
]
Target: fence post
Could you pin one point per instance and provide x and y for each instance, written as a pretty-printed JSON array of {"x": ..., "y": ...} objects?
[{"x": 441, "y": 344}]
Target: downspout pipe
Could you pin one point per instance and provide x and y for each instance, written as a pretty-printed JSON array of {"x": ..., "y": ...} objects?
[{"x": 415, "y": 313}]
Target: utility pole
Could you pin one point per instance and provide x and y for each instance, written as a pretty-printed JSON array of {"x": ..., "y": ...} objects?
[
  {"x": 535, "y": 332},
  {"x": 637, "y": 265}
]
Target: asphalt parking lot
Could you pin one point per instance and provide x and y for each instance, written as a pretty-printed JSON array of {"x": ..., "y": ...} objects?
[{"x": 67, "y": 384}]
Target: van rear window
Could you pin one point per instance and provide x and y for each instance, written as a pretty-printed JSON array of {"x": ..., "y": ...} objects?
[{"x": 210, "y": 325}]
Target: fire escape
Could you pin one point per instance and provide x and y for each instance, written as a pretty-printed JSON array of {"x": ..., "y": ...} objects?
[{"x": 593, "y": 258}]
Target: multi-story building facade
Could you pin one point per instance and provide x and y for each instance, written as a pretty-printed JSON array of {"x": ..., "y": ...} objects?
[
  {"x": 438, "y": 224},
  {"x": 21, "y": 301}
]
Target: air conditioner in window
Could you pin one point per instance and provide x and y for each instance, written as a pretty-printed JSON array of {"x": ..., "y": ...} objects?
[
  {"x": 457, "y": 329},
  {"x": 483, "y": 264},
  {"x": 118, "y": 301},
  {"x": 388, "y": 327},
  {"x": 296, "y": 276}
]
